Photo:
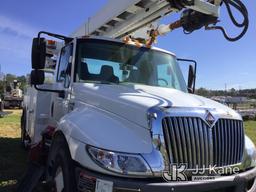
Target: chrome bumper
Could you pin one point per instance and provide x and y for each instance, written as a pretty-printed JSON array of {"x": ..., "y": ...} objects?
[{"x": 234, "y": 183}]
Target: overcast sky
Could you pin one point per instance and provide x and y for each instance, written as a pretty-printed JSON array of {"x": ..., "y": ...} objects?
[{"x": 220, "y": 62}]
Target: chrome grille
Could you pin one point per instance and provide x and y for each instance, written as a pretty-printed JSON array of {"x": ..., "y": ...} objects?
[
  {"x": 190, "y": 140},
  {"x": 228, "y": 142}
]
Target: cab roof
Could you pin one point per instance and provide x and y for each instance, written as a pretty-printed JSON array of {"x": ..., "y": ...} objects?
[{"x": 120, "y": 41}]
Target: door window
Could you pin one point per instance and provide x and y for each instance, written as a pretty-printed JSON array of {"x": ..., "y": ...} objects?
[{"x": 64, "y": 72}]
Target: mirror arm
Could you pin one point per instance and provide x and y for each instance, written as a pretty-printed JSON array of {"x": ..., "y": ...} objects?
[
  {"x": 194, "y": 87},
  {"x": 190, "y": 90},
  {"x": 61, "y": 37},
  {"x": 60, "y": 92}
]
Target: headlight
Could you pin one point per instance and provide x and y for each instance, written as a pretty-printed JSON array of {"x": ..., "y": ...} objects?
[
  {"x": 251, "y": 150},
  {"x": 126, "y": 164}
]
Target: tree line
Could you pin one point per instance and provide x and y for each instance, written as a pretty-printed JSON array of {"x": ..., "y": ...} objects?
[{"x": 249, "y": 93}]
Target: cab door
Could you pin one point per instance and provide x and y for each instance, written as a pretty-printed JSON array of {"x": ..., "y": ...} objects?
[{"x": 60, "y": 103}]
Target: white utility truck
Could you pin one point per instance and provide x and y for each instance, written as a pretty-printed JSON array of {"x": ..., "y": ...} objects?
[
  {"x": 13, "y": 96},
  {"x": 117, "y": 115}
]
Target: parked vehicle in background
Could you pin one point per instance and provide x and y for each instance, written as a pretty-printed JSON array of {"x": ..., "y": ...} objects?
[{"x": 13, "y": 96}]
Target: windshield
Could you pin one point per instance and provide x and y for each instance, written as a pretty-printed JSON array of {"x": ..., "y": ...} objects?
[{"x": 101, "y": 61}]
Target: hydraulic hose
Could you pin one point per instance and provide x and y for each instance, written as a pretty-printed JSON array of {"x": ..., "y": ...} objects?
[{"x": 237, "y": 4}]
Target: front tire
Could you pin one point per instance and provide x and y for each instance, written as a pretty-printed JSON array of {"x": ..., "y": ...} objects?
[
  {"x": 60, "y": 167},
  {"x": 6, "y": 105}
]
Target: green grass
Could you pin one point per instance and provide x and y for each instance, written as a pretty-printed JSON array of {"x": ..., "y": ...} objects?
[
  {"x": 250, "y": 129},
  {"x": 12, "y": 156},
  {"x": 10, "y": 125}
]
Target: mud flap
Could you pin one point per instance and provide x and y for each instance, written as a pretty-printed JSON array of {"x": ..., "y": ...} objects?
[
  {"x": 33, "y": 175},
  {"x": 36, "y": 169}
]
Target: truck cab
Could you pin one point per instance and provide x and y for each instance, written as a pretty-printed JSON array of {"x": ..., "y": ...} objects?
[{"x": 117, "y": 116}]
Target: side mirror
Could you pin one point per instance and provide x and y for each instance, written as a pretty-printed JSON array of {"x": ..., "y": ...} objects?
[
  {"x": 37, "y": 77},
  {"x": 38, "y": 55},
  {"x": 191, "y": 84},
  {"x": 191, "y": 79}
]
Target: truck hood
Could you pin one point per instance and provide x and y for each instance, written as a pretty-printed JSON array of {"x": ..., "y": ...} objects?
[{"x": 132, "y": 102}]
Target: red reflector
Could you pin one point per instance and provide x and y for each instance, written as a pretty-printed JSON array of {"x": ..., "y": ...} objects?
[{"x": 51, "y": 42}]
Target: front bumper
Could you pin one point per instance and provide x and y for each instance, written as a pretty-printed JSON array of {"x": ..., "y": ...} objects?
[{"x": 236, "y": 183}]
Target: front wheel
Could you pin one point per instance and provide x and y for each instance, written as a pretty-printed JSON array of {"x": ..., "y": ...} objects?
[
  {"x": 6, "y": 105},
  {"x": 60, "y": 168}
]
